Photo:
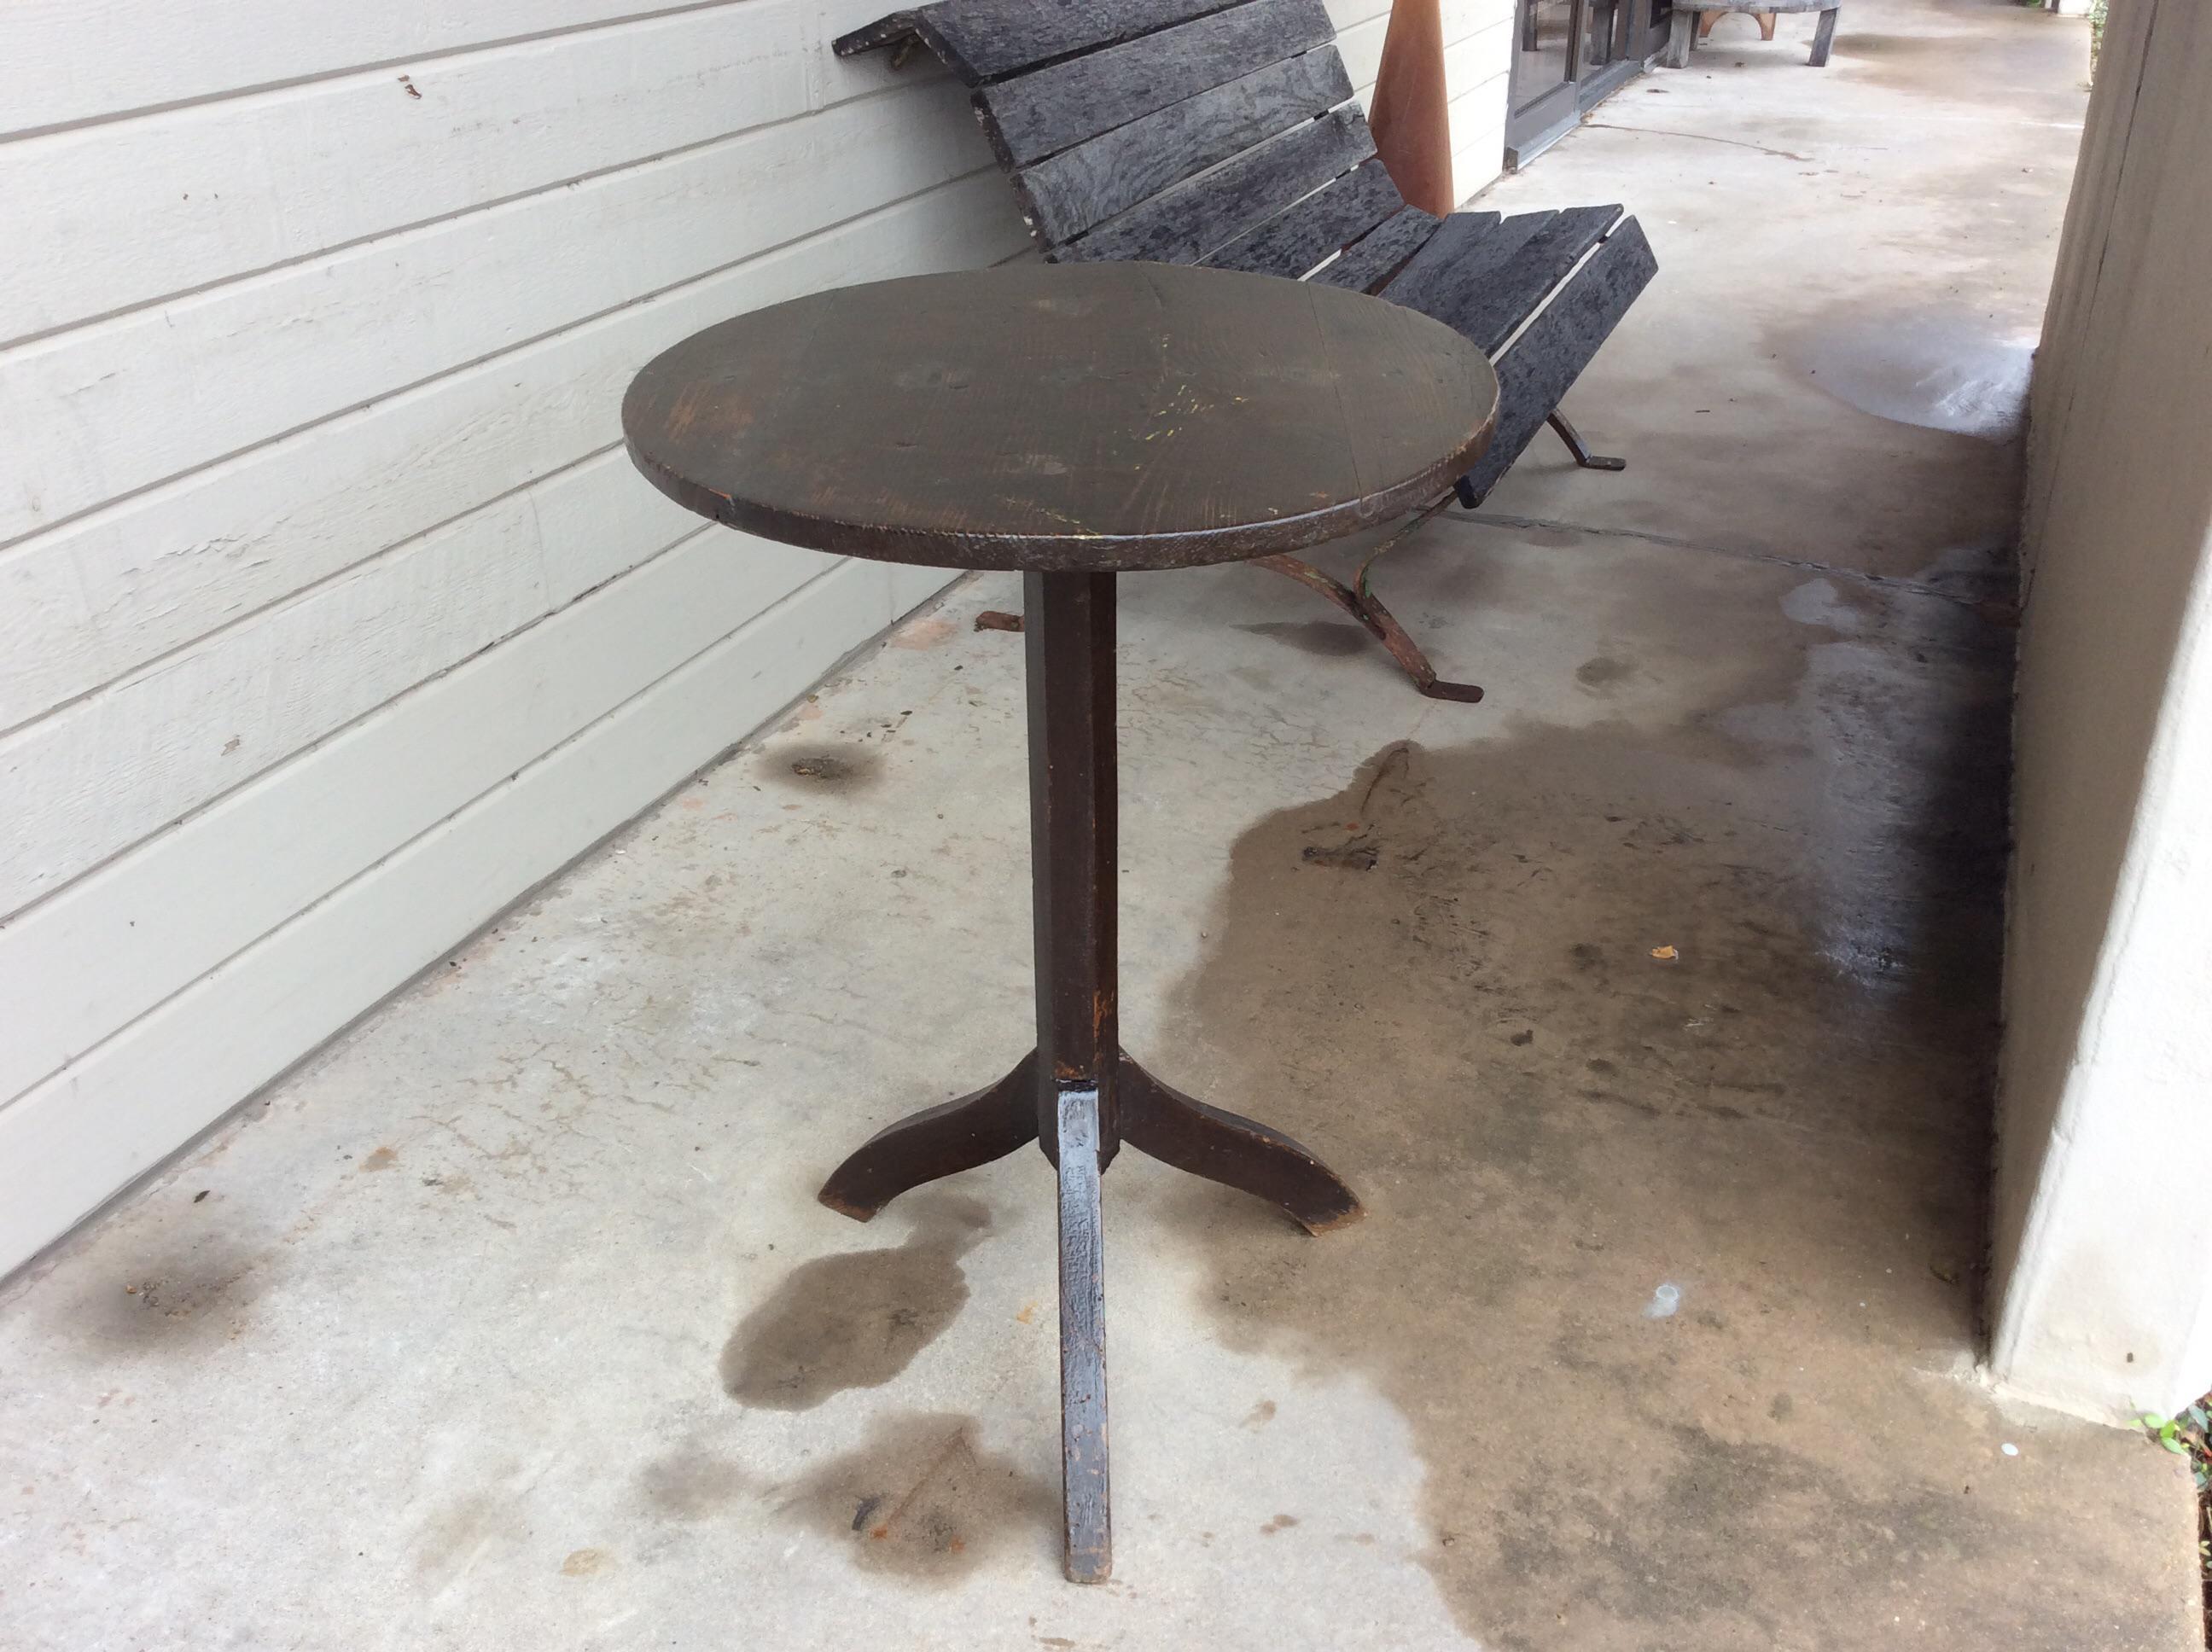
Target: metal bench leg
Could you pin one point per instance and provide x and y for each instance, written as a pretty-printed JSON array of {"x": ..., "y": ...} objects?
[
  {"x": 1681, "y": 35},
  {"x": 1360, "y": 601},
  {"x": 1824, "y": 36},
  {"x": 1580, "y": 449}
]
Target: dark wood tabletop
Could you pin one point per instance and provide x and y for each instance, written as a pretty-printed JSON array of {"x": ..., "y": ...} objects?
[{"x": 1064, "y": 417}]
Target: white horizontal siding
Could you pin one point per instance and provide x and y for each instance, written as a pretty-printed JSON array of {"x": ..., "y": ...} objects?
[
  {"x": 1477, "y": 44},
  {"x": 71, "y": 1141},
  {"x": 91, "y": 60},
  {"x": 331, "y": 615},
  {"x": 1476, "y": 66},
  {"x": 208, "y": 192},
  {"x": 114, "y": 944},
  {"x": 106, "y": 408},
  {"x": 84, "y": 604},
  {"x": 236, "y": 702}
]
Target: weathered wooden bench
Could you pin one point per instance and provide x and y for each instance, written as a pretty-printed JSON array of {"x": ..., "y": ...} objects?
[{"x": 1223, "y": 132}]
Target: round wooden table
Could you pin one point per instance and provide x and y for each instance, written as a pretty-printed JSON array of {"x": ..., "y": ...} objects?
[{"x": 1073, "y": 421}]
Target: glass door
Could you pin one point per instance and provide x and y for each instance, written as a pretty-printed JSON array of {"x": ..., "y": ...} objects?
[
  {"x": 1568, "y": 55},
  {"x": 1543, "y": 84}
]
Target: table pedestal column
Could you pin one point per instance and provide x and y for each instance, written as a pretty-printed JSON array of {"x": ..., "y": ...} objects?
[
  {"x": 1068, "y": 635},
  {"x": 1078, "y": 1094}
]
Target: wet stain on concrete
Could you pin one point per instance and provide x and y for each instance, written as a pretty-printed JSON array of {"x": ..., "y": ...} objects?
[
  {"x": 1784, "y": 1120},
  {"x": 823, "y": 768},
  {"x": 1944, "y": 371},
  {"x": 1330, "y": 639},
  {"x": 179, "y": 1302},
  {"x": 692, "y": 1483},
  {"x": 932, "y": 631},
  {"x": 451, "y": 1538},
  {"x": 920, "y": 1499},
  {"x": 1907, "y": 62},
  {"x": 1600, "y": 672},
  {"x": 382, "y": 1159},
  {"x": 857, "y": 1319},
  {"x": 1693, "y": 1532}
]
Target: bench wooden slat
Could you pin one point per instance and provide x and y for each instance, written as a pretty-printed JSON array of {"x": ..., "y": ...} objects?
[
  {"x": 1377, "y": 255},
  {"x": 1533, "y": 377},
  {"x": 1117, "y": 170},
  {"x": 1051, "y": 109},
  {"x": 1495, "y": 308},
  {"x": 988, "y": 40},
  {"x": 1299, "y": 237},
  {"x": 1440, "y": 277},
  {"x": 1156, "y": 130},
  {"x": 1184, "y": 224}
]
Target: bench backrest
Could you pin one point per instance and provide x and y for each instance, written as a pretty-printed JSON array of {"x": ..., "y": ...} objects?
[{"x": 1181, "y": 131}]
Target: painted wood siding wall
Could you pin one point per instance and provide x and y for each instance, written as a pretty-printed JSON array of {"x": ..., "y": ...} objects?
[
  {"x": 1478, "y": 52},
  {"x": 332, "y": 617}
]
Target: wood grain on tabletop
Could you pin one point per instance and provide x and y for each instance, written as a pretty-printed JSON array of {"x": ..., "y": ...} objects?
[{"x": 1088, "y": 416}]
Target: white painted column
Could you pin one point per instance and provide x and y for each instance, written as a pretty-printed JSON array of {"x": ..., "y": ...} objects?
[{"x": 2103, "y": 1229}]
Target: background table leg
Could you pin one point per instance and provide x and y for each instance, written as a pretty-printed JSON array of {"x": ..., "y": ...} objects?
[{"x": 1824, "y": 36}]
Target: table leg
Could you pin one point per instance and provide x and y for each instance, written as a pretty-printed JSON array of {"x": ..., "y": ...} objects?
[
  {"x": 1231, "y": 1149},
  {"x": 1824, "y": 36},
  {"x": 1068, "y": 635},
  {"x": 940, "y": 1142},
  {"x": 1077, "y": 1092}
]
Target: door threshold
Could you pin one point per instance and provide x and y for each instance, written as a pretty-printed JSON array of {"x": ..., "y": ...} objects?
[{"x": 1519, "y": 155}]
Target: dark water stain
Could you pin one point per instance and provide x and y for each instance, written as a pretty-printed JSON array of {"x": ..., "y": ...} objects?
[
  {"x": 174, "y": 1303},
  {"x": 857, "y": 1319},
  {"x": 1954, "y": 370},
  {"x": 823, "y": 768},
  {"x": 1926, "y": 62},
  {"x": 1600, "y": 672},
  {"x": 458, "y": 1531},
  {"x": 692, "y": 1483},
  {"x": 1331, "y": 639},
  {"x": 1691, "y": 1534},
  {"x": 1784, "y": 1120},
  {"x": 919, "y": 1499}
]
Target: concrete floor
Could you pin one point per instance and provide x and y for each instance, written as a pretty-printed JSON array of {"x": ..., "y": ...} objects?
[{"x": 511, "y": 1321}]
